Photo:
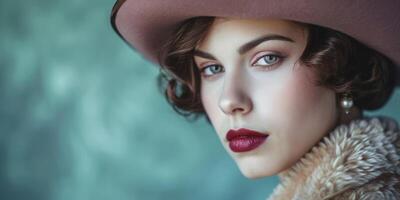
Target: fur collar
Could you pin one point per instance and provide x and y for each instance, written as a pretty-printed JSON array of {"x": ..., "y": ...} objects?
[{"x": 359, "y": 159}]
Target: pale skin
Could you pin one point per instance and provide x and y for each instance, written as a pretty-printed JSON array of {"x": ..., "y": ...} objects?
[{"x": 263, "y": 88}]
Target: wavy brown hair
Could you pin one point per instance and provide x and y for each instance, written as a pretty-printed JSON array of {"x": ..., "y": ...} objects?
[{"x": 340, "y": 61}]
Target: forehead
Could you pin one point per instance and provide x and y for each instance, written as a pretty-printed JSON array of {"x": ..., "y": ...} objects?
[
  {"x": 267, "y": 22},
  {"x": 234, "y": 30}
]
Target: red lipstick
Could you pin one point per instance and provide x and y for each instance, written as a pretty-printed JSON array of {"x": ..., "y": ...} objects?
[{"x": 243, "y": 140}]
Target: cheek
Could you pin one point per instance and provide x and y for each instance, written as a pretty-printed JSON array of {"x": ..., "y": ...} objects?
[
  {"x": 209, "y": 98},
  {"x": 299, "y": 94},
  {"x": 294, "y": 97},
  {"x": 303, "y": 101},
  {"x": 305, "y": 113}
]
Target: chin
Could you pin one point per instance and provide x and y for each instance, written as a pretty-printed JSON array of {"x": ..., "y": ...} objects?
[
  {"x": 254, "y": 167},
  {"x": 256, "y": 174}
]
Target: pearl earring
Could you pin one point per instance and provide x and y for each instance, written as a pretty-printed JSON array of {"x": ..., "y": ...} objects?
[{"x": 347, "y": 103}]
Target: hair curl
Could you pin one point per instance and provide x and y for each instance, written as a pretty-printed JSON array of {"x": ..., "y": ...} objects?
[{"x": 340, "y": 61}]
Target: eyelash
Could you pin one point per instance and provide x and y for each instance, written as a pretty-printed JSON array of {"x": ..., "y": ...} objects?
[{"x": 265, "y": 67}]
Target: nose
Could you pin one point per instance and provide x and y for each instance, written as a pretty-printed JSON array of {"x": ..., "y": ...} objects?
[{"x": 234, "y": 99}]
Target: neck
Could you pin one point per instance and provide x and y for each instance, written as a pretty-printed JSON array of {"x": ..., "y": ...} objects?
[
  {"x": 343, "y": 118},
  {"x": 355, "y": 113}
]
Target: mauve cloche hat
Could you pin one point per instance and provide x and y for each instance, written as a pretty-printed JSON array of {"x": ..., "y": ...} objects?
[{"x": 145, "y": 24}]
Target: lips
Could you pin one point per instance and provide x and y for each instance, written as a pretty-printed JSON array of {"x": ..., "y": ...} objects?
[{"x": 243, "y": 140}]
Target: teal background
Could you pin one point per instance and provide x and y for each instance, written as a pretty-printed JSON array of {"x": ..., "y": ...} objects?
[{"x": 81, "y": 117}]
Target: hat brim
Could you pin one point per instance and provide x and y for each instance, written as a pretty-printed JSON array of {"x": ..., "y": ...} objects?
[{"x": 145, "y": 24}]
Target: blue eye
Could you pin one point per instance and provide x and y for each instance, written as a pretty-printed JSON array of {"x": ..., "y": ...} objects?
[
  {"x": 267, "y": 60},
  {"x": 210, "y": 70}
]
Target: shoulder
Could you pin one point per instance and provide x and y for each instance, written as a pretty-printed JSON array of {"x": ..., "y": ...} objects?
[
  {"x": 385, "y": 187},
  {"x": 377, "y": 168},
  {"x": 359, "y": 160}
]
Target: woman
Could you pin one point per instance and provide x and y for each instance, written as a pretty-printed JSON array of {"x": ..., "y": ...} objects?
[{"x": 284, "y": 89}]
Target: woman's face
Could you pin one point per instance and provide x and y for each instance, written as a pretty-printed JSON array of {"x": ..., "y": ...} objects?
[{"x": 258, "y": 85}]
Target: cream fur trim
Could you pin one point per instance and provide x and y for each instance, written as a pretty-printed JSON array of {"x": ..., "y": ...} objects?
[{"x": 360, "y": 160}]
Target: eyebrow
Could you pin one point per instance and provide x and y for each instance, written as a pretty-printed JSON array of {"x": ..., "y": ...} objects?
[{"x": 249, "y": 45}]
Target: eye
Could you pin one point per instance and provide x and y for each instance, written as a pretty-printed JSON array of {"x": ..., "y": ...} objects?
[
  {"x": 268, "y": 60},
  {"x": 210, "y": 70}
]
